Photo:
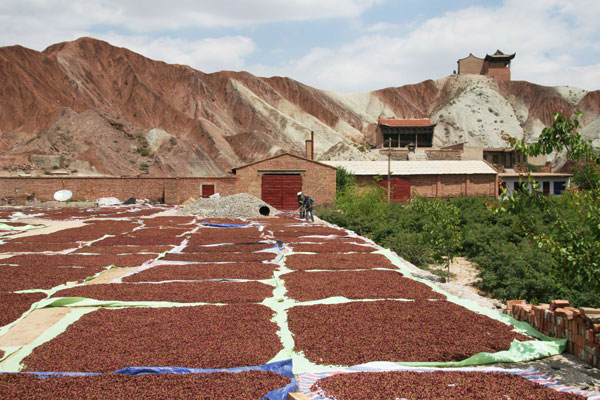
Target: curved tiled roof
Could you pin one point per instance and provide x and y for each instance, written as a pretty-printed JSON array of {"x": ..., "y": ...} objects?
[
  {"x": 498, "y": 55},
  {"x": 405, "y": 122}
]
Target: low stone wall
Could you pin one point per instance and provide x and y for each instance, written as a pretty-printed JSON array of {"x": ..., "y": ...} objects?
[
  {"x": 397, "y": 154},
  {"x": 580, "y": 326},
  {"x": 45, "y": 161},
  {"x": 443, "y": 155}
]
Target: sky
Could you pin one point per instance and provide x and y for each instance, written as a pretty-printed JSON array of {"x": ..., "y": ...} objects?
[{"x": 338, "y": 45}]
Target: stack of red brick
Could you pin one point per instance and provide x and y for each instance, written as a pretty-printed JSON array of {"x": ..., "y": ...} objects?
[{"x": 580, "y": 326}]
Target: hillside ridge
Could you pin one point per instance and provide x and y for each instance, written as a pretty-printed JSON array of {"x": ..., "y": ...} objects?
[{"x": 111, "y": 111}]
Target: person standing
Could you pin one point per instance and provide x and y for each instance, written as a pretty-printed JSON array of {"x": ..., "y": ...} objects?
[
  {"x": 309, "y": 204},
  {"x": 301, "y": 204}
]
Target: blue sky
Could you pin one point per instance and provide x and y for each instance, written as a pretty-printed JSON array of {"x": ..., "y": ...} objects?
[{"x": 340, "y": 45}]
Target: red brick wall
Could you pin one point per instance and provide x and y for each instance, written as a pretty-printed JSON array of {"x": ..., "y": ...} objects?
[
  {"x": 482, "y": 185},
  {"x": 470, "y": 65},
  {"x": 497, "y": 70},
  {"x": 447, "y": 185},
  {"x": 318, "y": 180},
  {"x": 500, "y": 74},
  {"x": 174, "y": 190},
  {"x": 424, "y": 185}
]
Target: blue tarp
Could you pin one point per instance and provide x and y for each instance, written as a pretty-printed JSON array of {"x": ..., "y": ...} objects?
[
  {"x": 280, "y": 367},
  {"x": 223, "y": 225}
]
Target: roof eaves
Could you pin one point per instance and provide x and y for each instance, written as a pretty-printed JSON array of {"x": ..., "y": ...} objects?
[{"x": 233, "y": 170}]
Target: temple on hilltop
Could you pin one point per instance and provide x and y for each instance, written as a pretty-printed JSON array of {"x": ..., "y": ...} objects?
[{"x": 496, "y": 65}]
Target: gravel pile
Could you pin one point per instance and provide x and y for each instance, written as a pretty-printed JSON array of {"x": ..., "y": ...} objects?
[{"x": 240, "y": 205}]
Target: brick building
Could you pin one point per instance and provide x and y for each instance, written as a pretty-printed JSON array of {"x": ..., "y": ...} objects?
[
  {"x": 496, "y": 65},
  {"x": 426, "y": 178},
  {"x": 550, "y": 182},
  {"x": 275, "y": 180}
]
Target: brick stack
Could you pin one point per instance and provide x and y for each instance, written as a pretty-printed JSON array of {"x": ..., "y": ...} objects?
[{"x": 580, "y": 326}]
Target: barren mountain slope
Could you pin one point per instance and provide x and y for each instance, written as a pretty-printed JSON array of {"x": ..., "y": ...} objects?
[{"x": 109, "y": 110}]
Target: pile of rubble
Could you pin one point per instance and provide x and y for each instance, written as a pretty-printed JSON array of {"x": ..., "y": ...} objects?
[{"x": 240, "y": 205}]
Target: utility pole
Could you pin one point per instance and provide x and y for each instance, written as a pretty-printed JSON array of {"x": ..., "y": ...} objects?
[{"x": 389, "y": 168}]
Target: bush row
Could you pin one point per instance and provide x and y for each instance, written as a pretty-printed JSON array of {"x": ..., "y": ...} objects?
[{"x": 511, "y": 265}]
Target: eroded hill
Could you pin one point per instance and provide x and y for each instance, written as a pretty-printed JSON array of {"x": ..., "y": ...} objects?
[{"x": 109, "y": 110}]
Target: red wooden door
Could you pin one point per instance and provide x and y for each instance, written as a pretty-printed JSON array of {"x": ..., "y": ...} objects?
[
  {"x": 400, "y": 188},
  {"x": 280, "y": 190},
  {"x": 208, "y": 190}
]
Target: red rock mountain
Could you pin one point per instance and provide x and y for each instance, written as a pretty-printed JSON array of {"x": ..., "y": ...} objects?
[{"x": 112, "y": 111}]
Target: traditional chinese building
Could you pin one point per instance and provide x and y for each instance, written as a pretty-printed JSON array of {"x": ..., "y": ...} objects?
[
  {"x": 404, "y": 132},
  {"x": 496, "y": 65}
]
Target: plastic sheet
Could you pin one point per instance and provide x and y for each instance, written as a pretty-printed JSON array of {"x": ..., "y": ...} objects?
[
  {"x": 7, "y": 227},
  {"x": 223, "y": 225},
  {"x": 283, "y": 368},
  {"x": 78, "y": 302}
]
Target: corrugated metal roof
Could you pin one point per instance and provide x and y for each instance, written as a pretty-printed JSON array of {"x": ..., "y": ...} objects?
[
  {"x": 414, "y": 167},
  {"x": 405, "y": 122},
  {"x": 534, "y": 174}
]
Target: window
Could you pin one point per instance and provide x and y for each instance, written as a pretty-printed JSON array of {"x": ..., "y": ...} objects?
[
  {"x": 425, "y": 140},
  {"x": 546, "y": 187},
  {"x": 407, "y": 138},
  {"x": 207, "y": 190},
  {"x": 559, "y": 187},
  {"x": 518, "y": 186},
  {"x": 390, "y": 136}
]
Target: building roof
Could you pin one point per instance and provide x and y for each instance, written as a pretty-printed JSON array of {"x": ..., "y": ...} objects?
[
  {"x": 502, "y": 149},
  {"x": 534, "y": 174},
  {"x": 405, "y": 122},
  {"x": 415, "y": 167},
  {"x": 470, "y": 56},
  {"x": 281, "y": 155},
  {"x": 498, "y": 55}
]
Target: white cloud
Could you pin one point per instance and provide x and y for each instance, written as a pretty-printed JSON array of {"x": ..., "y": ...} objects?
[
  {"x": 543, "y": 33},
  {"x": 39, "y": 23},
  {"x": 207, "y": 55},
  {"x": 142, "y": 16},
  {"x": 383, "y": 27},
  {"x": 548, "y": 36}
]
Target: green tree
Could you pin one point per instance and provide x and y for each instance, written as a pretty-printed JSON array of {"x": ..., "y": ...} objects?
[
  {"x": 343, "y": 179},
  {"x": 572, "y": 237},
  {"x": 441, "y": 225}
]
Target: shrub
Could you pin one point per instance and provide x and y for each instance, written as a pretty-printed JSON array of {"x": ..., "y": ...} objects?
[{"x": 511, "y": 264}]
